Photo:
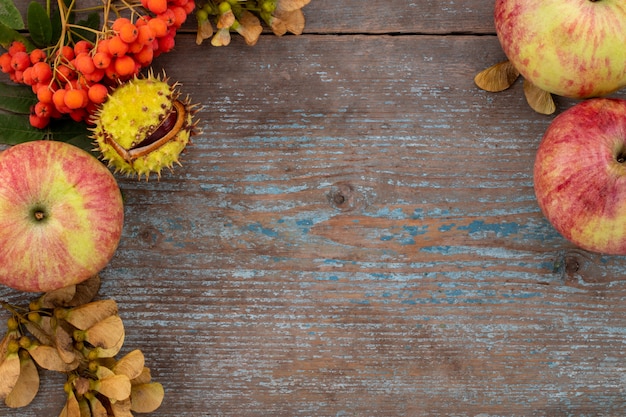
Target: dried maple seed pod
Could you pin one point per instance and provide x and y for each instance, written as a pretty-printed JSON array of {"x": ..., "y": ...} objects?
[
  {"x": 87, "y": 315},
  {"x": 27, "y": 384},
  {"x": 145, "y": 398},
  {"x": 9, "y": 368},
  {"x": 130, "y": 365},
  {"x": 143, "y": 126}
]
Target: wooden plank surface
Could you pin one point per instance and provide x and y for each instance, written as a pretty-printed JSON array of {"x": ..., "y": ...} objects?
[{"x": 355, "y": 233}]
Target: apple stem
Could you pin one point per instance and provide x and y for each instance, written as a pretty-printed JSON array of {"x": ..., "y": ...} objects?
[{"x": 39, "y": 215}]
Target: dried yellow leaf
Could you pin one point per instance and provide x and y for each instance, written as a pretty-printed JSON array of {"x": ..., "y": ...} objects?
[
  {"x": 48, "y": 357},
  {"x": 539, "y": 100},
  {"x": 106, "y": 333},
  {"x": 71, "y": 408},
  {"x": 497, "y": 77},
  {"x": 131, "y": 364},
  {"x": 87, "y": 315},
  {"x": 116, "y": 387},
  {"x": 146, "y": 398},
  {"x": 26, "y": 386},
  {"x": 9, "y": 373}
]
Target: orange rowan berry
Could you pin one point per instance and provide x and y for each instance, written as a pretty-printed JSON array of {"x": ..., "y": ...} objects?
[
  {"x": 128, "y": 32},
  {"x": 119, "y": 22},
  {"x": 180, "y": 15},
  {"x": 125, "y": 66},
  {"x": 145, "y": 35},
  {"x": 158, "y": 26},
  {"x": 168, "y": 17},
  {"x": 98, "y": 93},
  {"x": 75, "y": 98},
  {"x": 103, "y": 46},
  {"x": 64, "y": 73},
  {"x": 82, "y": 46},
  {"x": 43, "y": 109},
  {"x": 142, "y": 20},
  {"x": 145, "y": 56},
  {"x": 38, "y": 122},
  {"x": 102, "y": 60},
  {"x": 20, "y": 61},
  {"x": 156, "y": 6},
  {"x": 110, "y": 73},
  {"x": 58, "y": 98},
  {"x": 44, "y": 93},
  {"x": 189, "y": 7},
  {"x": 27, "y": 76},
  {"x": 16, "y": 46},
  {"x": 91, "y": 108},
  {"x": 166, "y": 43},
  {"x": 96, "y": 76},
  {"x": 84, "y": 63},
  {"x": 42, "y": 73},
  {"x": 134, "y": 48},
  {"x": 17, "y": 76},
  {"x": 67, "y": 52},
  {"x": 37, "y": 55},
  {"x": 117, "y": 47},
  {"x": 79, "y": 114},
  {"x": 5, "y": 63}
]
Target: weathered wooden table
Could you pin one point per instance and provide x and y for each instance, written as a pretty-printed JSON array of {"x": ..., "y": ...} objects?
[{"x": 355, "y": 233}]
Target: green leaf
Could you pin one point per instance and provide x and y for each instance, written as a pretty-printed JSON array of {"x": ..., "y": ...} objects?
[
  {"x": 15, "y": 128},
  {"x": 55, "y": 22},
  {"x": 92, "y": 22},
  {"x": 16, "y": 98},
  {"x": 10, "y": 16},
  {"x": 67, "y": 130},
  {"x": 9, "y": 35},
  {"x": 39, "y": 24}
]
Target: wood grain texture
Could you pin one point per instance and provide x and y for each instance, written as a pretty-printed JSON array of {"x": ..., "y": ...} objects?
[{"x": 354, "y": 233}]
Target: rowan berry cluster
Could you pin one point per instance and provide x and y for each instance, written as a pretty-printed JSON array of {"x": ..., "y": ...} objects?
[
  {"x": 75, "y": 75},
  {"x": 60, "y": 332}
]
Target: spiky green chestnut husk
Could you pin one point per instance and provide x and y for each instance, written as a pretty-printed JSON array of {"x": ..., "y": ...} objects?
[{"x": 143, "y": 126}]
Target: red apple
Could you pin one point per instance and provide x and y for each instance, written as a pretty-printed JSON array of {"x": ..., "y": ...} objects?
[
  {"x": 61, "y": 216},
  {"x": 573, "y": 48},
  {"x": 580, "y": 175}
]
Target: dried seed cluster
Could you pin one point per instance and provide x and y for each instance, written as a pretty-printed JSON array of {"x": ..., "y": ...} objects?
[{"x": 66, "y": 332}]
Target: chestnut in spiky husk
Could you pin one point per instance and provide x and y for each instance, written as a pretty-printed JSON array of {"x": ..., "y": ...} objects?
[{"x": 143, "y": 126}]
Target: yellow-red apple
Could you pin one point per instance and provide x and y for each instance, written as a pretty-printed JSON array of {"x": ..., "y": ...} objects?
[
  {"x": 572, "y": 48},
  {"x": 61, "y": 216},
  {"x": 580, "y": 175}
]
